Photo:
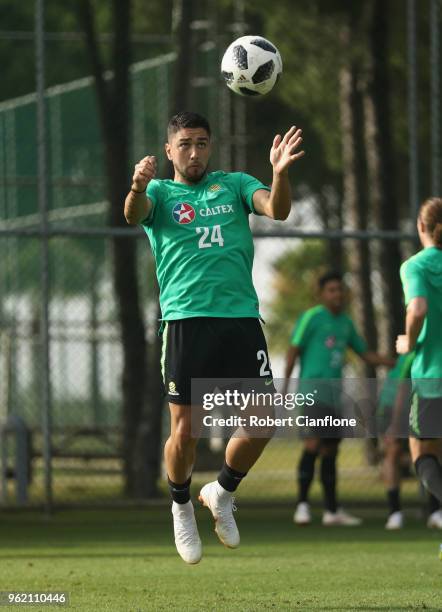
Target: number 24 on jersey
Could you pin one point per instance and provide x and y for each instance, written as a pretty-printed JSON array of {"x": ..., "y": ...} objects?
[{"x": 209, "y": 238}]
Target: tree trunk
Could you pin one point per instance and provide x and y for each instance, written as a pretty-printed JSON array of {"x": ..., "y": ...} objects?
[
  {"x": 330, "y": 210},
  {"x": 382, "y": 172},
  {"x": 355, "y": 192},
  {"x": 185, "y": 60},
  {"x": 113, "y": 103}
]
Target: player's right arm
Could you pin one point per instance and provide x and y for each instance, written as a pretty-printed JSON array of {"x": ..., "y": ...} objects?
[
  {"x": 417, "y": 309},
  {"x": 415, "y": 289},
  {"x": 137, "y": 205},
  {"x": 402, "y": 397},
  {"x": 290, "y": 360},
  {"x": 298, "y": 342}
]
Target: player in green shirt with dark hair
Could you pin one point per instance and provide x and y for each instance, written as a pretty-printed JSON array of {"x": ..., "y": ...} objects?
[
  {"x": 198, "y": 227},
  {"x": 422, "y": 281},
  {"x": 320, "y": 339}
]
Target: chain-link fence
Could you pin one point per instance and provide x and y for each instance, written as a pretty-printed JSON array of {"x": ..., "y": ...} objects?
[
  {"x": 86, "y": 363},
  {"x": 87, "y": 426}
]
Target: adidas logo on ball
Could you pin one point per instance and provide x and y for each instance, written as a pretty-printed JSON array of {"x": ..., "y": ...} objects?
[{"x": 251, "y": 66}]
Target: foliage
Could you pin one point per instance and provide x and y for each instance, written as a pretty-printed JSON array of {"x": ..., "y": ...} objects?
[
  {"x": 66, "y": 58},
  {"x": 295, "y": 283}
]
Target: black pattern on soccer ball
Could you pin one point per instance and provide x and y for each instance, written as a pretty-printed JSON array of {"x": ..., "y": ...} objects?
[
  {"x": 264, "y": 72},
  {"x": 228, "y": 76},
  {"x": 248, "y": 92},
  {"x": 239, "y": 56},
  {"x": 263, "y": 44}
]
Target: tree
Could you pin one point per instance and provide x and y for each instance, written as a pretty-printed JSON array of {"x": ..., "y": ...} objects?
[
  {"x": 113, "y": 103},
  {"x": 382, "y": 169},
  {"x": 309, "y": 90},
  {"x": 296, "y": 276},
  {"x": 356, "y": 201},
  {"x": 348, "y": 92}
]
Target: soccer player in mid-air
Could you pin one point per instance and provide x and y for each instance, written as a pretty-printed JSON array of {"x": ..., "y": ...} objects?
[
  {"x": 320, "y": 339},
  {"x": 199, "y": 231},
  {"x": 421, "y": 277}
]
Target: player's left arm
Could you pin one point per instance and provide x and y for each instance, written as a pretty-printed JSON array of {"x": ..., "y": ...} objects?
[
  {"x": 414, "y": 321},
  {"x": 375, "y": 359},
  {"x": 276, "y": 203},
  {"x": 358, "y": 344}
]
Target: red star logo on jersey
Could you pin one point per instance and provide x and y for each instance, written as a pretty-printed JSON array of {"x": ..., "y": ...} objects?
[
  {"x": 330, "y": 341},
  {"x": 183, "y": 213}
]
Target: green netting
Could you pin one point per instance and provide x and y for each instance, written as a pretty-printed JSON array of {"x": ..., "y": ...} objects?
[{"x": 75, "y": 147}]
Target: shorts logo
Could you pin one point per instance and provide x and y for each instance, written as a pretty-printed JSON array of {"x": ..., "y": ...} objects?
[
  {"x": 183, "y": 213},
  {"x": 172, "y": 388}
]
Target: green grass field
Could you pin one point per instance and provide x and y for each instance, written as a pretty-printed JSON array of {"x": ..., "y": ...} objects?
[{"x": 125, "y": 560}]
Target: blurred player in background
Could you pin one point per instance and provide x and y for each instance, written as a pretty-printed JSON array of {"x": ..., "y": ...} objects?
[
  {"x": 392, "y": 417},
  {"x": 421, "y": 277},
  {"x": 198, "y": 227},
  {"x": 320, "y": 339}
]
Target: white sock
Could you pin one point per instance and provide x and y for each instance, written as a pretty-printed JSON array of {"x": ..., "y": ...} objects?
[
  {"x": 187, "y": 507},
  {"x": 222, "y": 492}
]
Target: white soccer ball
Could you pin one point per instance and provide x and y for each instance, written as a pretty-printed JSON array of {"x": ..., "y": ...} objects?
[{"x": 251, "y": 66}]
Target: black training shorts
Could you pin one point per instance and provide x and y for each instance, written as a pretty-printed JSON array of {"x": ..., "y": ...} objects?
[
  {"x": 212, "y": 348},
  {"x": 426, "y": 417}
]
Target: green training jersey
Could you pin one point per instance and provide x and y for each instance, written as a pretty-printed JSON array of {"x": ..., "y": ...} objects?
[
  {"x": 203, "y": 246},
  {"x": 421, "y": 276},
  {"x": 401, "y": 371},
  {"x": 323, "y": 339}
]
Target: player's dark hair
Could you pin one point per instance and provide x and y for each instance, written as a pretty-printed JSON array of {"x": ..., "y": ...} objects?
[
  {"x": 333, "y": 275},
  {"x": 186, "y": 119},
  {"x": 430, "y": 214}
]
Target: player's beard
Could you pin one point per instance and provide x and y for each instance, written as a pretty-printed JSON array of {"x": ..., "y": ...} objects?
[
  {"x": 337, "y": 306},
  {"x": 194, "y": 177}
]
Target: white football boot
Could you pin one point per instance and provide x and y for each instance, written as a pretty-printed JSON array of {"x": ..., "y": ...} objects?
[
  {"x": 302, "y": 514},
  {"x": 221, "y": 504},
  {"x": 435, "y": 520},
  {"x": 340, "y": 517},
  {"x": 187, "y": 539},
  {"x": 395, "y": 521}
]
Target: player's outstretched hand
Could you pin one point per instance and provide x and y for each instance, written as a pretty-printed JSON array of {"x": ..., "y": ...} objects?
[
  {"x": 145, "y": 171},
  {"x": 284, "y": 150}
]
